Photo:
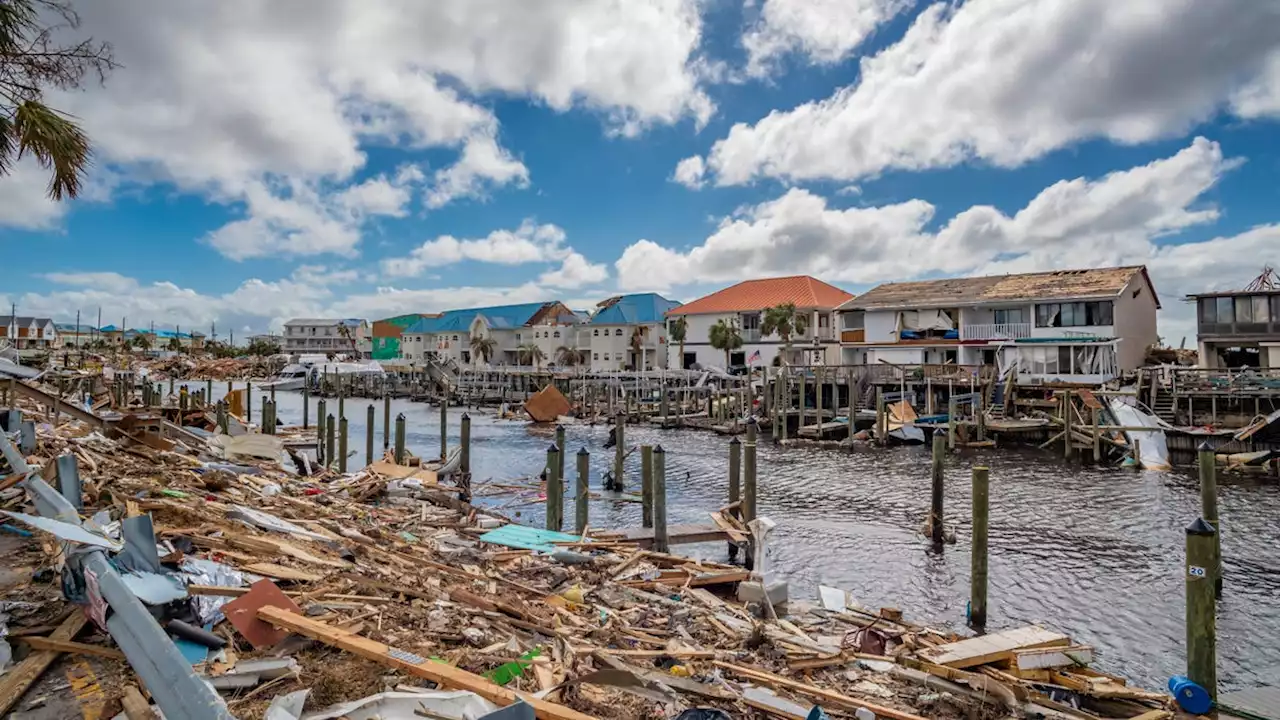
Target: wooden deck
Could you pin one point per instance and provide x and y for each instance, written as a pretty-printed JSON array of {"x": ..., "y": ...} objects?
[
  {"x": 839, "y": 428},
  {"x": 676, "y": 535},
  {"x": 1260, "y": 703}
]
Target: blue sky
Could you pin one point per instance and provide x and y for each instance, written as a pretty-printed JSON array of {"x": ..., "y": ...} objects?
[{"x": 360, "y": 158}]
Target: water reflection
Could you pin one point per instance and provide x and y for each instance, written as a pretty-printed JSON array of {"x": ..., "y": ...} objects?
[{"x": 1097, "y": 553}]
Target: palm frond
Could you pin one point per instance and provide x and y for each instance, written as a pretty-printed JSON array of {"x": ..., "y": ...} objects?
[{"x": 56, "y": 142}]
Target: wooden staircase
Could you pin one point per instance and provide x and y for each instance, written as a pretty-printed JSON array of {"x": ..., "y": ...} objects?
[{"x": 1162, "y": 403}]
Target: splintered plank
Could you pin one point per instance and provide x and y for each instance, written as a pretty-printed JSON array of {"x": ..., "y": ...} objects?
[
  {"x": 994, "y": 647},
  {"x": 440, "y": 673},
  {"x": 20, "y": 678}
]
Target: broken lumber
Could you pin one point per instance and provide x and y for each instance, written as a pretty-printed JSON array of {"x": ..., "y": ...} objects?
[
  {"x": 20, "y": 678},
  {"x": 836, "y": 698}
]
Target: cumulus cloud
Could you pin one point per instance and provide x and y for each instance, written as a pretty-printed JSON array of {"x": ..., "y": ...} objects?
[
  {"x": 690, "y": 171},
  {"x": 1007, "y": 81},
  {"x": 1111, "y": 220},
  {"x": 223, "y": 100},
  {"x": 23, "y": 201},
  {"x": 824, "y": 31},
  {"x": 529, "y": 243},
  {"x": 575, "y": 272}
]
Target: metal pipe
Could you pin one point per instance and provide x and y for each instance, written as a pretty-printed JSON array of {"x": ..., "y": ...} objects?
[{"x": 150, "y": 652}]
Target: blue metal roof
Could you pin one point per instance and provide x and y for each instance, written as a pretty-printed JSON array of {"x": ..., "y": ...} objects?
[
  {"x": 633, "y": 309},
  {"x": 502, "y": 317}
]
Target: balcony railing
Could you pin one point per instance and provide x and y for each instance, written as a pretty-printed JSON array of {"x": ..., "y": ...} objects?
[
  {"x": 750, "y": 335},
  {"x": 996, "y": 331}
]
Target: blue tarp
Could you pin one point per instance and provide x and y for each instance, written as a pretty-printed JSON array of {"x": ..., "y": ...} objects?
[{"x": 527, "y": 538}]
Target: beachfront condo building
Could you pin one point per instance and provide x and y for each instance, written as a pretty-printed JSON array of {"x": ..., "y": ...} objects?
[
  {"x": 328, "y": 336},
  {"x": 1060, "y": 326},
  {"x": 1239, "y": 328},
  {"x": 743, "y": 307},
  {"x": 629, "y": 332},
  {"x": 528, "y": 334}
]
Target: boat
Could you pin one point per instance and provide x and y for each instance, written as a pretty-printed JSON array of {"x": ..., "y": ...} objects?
[{"x": 295, "y": 375}]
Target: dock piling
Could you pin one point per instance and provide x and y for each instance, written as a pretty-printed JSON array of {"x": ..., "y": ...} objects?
[
  {"x": 248, "y": 400},
  {"x": 555, "y": 490},
  {"x": 560, "y": 443},
  {"x": 386, "y": 421},
  {"x": 342, "y": 445},
  {"x": 369, "y": 417},
  {"x": 444, "y": 426},
  {"x": 978, "y": 552},
  {"x": 400, "y": 439},
  {"x": 306, "y": 405},
  {"x": 952, "y": 409},
  {"x": 1202, "y": 632},
  {"x": 1209, "y": 509},
  {"x": 749, "y": 473},
  {"x": 581, "y": 494},
  {"x": 660, "y": 539},
  {"x": 936, "y": 473},
  {"x": 330, "y": 448},
  {"x": 735, "y": 486},
  {"x": 646, "y": 486},
  {"x": 620, "y": 454}
]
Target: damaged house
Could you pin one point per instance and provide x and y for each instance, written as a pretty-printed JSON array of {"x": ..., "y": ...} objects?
[{"x": 1065, "y": 325}]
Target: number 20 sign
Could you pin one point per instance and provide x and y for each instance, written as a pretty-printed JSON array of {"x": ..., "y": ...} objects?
[{"x": 1195, "y": 571}]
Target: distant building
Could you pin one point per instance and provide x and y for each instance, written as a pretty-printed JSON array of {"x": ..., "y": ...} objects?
[
  {"x": 743, "y": 306},
  {"x": 268, "y": 339},
  {"x": 629, "y": 331},
  {"x": 153, "y": 339},
  {"x": 386, "y": 334},
  {"x": 545, "y": 325},
  {"x": 303, "y": 336},
  {"x": 71, "y": 335},
  {"x": 1065, "y": 325},
  {"x": 28, "y": 335},
  {"x": 1238, "y": 328}
]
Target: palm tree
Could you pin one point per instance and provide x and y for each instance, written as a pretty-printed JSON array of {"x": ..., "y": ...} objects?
[
  {"x": 725, "y": 337},
  {"x": 638, "y": 335},
  {"x": 785, "y": 321},
  {"x": 140, "y": 341},
  {"x": 568, "y": 357},
  {"x": 344, "y": 331},
  {"x": 32, "y": 61},
  {"x": 482, "y": 347},
  {"x": 531, "y": 354},
  {"x": 677, "y": 330},
  {"x": 175, "y": 344}
]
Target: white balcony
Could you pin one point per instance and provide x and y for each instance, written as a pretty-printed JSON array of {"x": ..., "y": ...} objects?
[
  {"x": 996, "y": 331},
  {"x": 750, "y": 335}
]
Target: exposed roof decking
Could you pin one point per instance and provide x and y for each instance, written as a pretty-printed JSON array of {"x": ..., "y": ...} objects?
[{"x": 1051, "y": 285}]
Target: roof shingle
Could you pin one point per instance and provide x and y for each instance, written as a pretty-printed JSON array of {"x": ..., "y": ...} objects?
[
  {"x": 804, "y": 291},
  {"x": 1051, "y": 285}
]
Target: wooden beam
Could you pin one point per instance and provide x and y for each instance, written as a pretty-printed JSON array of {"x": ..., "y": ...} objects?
[
  {"x": 20, "y": 678},
  {"x": 136, "y": 707},
  {"x": 67, "y": 646},
  {"x": 438, "y": 672},
  {"x": 816, "y": 692}
]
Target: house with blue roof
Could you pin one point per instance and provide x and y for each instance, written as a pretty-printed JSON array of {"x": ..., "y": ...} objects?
[
  {"x": 505, "y": 331},
  {"x": 630, "y": 332}
]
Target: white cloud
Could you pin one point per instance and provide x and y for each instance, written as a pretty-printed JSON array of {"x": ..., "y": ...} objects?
[
  {"x": 482, "y": 164},
  {"x": 23, "y": 200},
  {"x": 530, "y": 243},
  {"x": 575, "y": 272},
  {"x": 689, "y": 172},
  {"x": 379, "y": 196},
  {"x": 825, "y": 31},
  {"x": 1112, "y": 220},
  {"x": 1006, "y": 81}
]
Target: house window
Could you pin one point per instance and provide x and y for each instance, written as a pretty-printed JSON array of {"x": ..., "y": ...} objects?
[
  {"x": 853, "y": 320},
  {"x": 455, "y": 338},
  {"x": 1275, "y": 308},
  {"x": 1009, "y": 316},
  {"x": 1244, "y": 310},
  {"x": 1225, "y": 312},
  {"x": 557, "y": 334},
  {"x": 751, "y": 321},
  {"x": 597, "y": 332},
  {"x": 1261, "y": 313},
  {"x": 597, "y": 356},
  {"x": 1076, "y": 314},
  {"x": 617, "y": 332},
  {"x": 606, "y": 356}
]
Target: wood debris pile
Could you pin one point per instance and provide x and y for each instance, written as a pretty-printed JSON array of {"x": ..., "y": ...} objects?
[
  {"x": 350, "y": 584},
  {"x": 183, "y": 367}
]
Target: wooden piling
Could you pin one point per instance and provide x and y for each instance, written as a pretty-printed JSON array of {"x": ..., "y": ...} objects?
[
  {"x": 386, "y": 421},
  {"x": 1201, "y": 624},
  {"x": 330, "y": 428},
  {"x": 369, "y": 417},
  {"x": 978, "y": 552},
  {"x": 952, "y": 408},
  {"x": 1066, "y": 424},
  {"x": 1209, "y": 509},
  {"x": 560, "y": 443},
  {"x": 400, "y": 439},
  {"x": 660, "y": 539},
  {"x": 646, "y": 485},
  {"x": 465, "y": 466},
  {"x": 749, "y": 473},
  {"x": 208, "y": 389},
  {"x": 342, "y": 445},
  {"x": 936, "y": 476},
  {"x": 444, "y": 426},
  {"x": 581, "y": 495},
  {"x": 555, "y": 490},
  {"x": 882, "y": 418},
  {"x": 306, "y": 405},
  {"x": 1097, "y": 438},
  {"x": 735, "y": 486},
  {"x": 620, "y": 454}
]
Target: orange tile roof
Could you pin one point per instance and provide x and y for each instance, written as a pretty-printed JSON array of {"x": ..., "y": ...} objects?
[{"x": 806, "y": 292}]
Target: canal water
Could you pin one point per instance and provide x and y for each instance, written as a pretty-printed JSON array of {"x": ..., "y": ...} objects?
[{"x": 1096, "y": 553}]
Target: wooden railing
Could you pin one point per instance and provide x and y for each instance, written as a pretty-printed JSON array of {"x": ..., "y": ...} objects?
[{"x": 996, "y": 331}]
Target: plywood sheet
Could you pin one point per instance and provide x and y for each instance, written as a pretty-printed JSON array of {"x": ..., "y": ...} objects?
[{"x": 994, "y": 647}]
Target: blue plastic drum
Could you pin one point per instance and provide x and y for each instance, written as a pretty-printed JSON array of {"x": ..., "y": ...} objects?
[{"x": 1190, "y": 697}]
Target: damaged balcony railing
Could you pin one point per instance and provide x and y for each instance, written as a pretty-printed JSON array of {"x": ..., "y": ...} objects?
[{"x": 179, "y": 693}]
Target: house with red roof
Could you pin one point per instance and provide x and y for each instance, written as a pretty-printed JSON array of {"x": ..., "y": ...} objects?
[{"x": 743, "y": 305}]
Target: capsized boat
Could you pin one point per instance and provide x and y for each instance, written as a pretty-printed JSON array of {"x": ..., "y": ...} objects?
[{"x": 295, "y": 375}]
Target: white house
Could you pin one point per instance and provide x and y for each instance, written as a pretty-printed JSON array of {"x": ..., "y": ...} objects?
[
  {"x": 28, "y": 334},
  {"x": 743, "y": 306},
  {"x": 629, "y": 332},
  {"x": 1068, "y": 325},
  {"x": 546, "y": 325},
  {"x": 306, "y": 336}
]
